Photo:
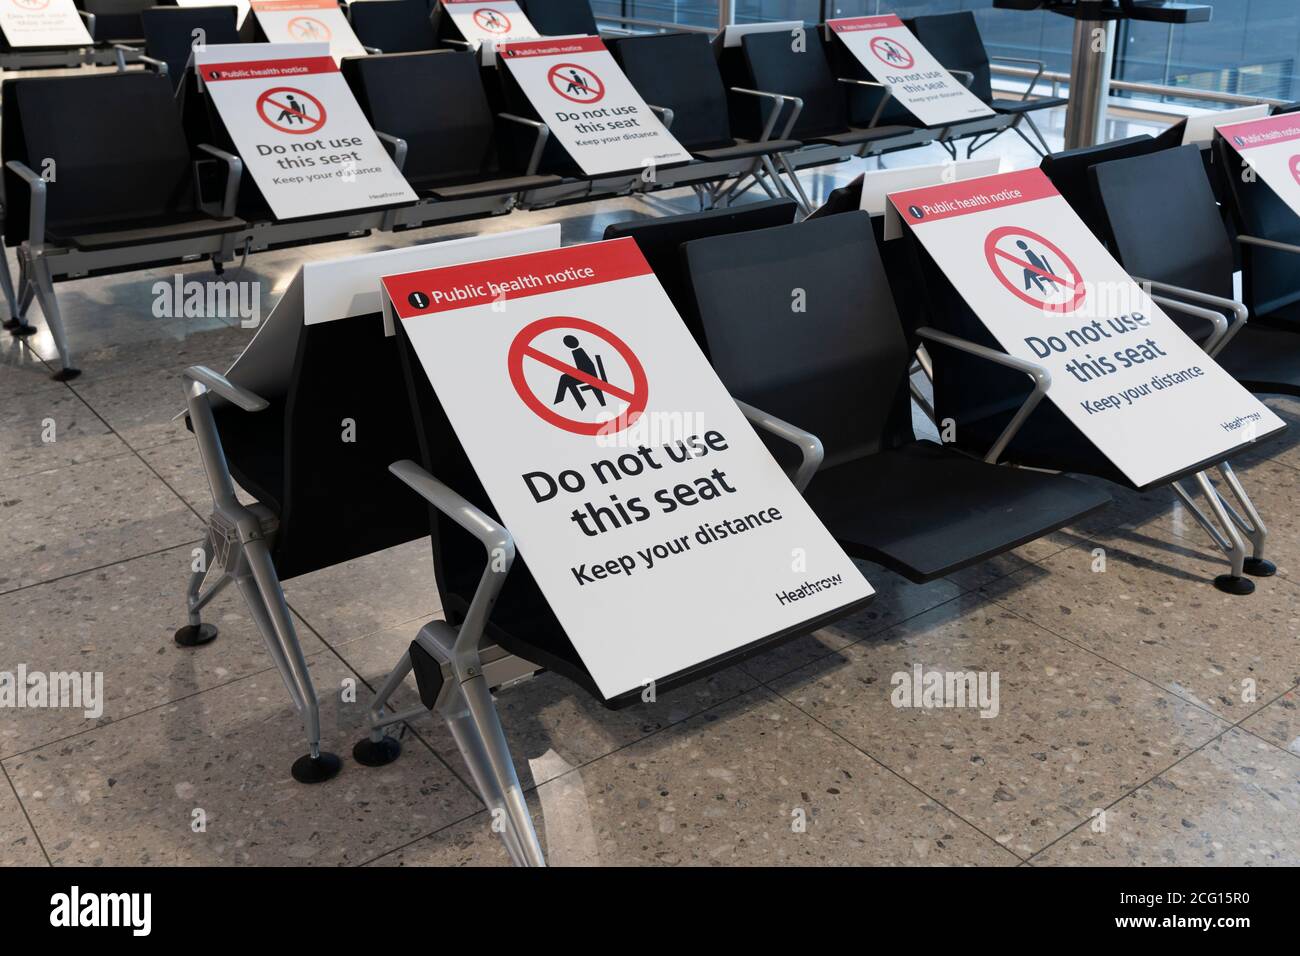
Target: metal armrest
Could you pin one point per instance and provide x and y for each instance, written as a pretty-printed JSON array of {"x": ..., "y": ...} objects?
[
  {"x": 1042, "y": 381},
  {"x": 966, "y": 76},
  {"x": 880, "y": 107},
  {"x": 1041, "y": 66},
  {"x": 372, "y": 50},
  {"x": 496, "y": 541},
  {"x": 780, "y": 99},
  {"x": 543, "y": 133},
  {"x": 234, "y": 172},
  {"x": 90, "y": 22},
  {"x": 1269, "y": 244},
  {"x": 664, "y": 113},
  {"x": 809, "y": 445},
  {"x": 36, "y": 214},
  {"x": 399, "y": 148},
  {"x": 1217, "y": 342},
  {"x": 1217, "y": 319},
  {"x": 216, "y": 382},
  {"x": 460, "y": 43}
]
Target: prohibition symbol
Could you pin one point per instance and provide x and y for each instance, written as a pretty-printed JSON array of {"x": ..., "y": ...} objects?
[
  {"x": 1294, "y": 163},
  {"x": 306, "y": 29},
  {"x": 493, "y": 21},
  {"x": 1034, "y": 269},
  {"x": 582, "y": 380},
  {"x": 892, "y": 53},
  {"x": 31, "y": 4},
  {"x": 576, "y": 83},
  {"x": 288, "y": 110}
]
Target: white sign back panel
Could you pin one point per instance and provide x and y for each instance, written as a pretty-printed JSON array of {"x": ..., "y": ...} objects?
[
  {"x": 1143, "y": 392},
  {"x": 494, "y": 21},
  {"x": 308, "y": 21},
  {"x": 590, "y": 106},
  {"x": 242, "y": 6},
  {"x": 1272, "y": 148},
  {"x": 877, "y": 184},
  {"x": 1199, "y": 130},
  {"x": 894, "y": 57},
  {"x": 298, "y": 129},
  {"x": 656, "y": 523},
  {"x": 28, "y": 23}
]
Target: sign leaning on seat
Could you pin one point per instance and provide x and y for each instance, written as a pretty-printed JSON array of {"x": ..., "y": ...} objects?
[
  {"x": 590, "y": 106},
  {"x": 298, "y": 129},
  {"x": 659, "y": 528},
  {"x": 28, "y": 23},
  {"x": 491, "y": 21},
  {"x": 1144, "y": 393},
  {"x": 894, "y": 57},
  {"x": 241, "y": 7},
  {"x": 1271, "y": 147},
  {"x": 308, "y": 21}
]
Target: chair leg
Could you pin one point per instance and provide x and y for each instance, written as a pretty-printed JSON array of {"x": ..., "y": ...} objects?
[
  {"x": 792, "y": 176},
  {"x": 1021, "y": 133},
  {"x": 1251, "y": 525},
  {"x": 195, "y": 632},
  {"x": 276, "y": 623},
  {"x": 16, "y": 324},
  {"x": 1224, "y": 534},
  {"x": 44, "y": 287},
  {"x": 379, "y": 749},
  {"x": 1034, "y": 126},
  {"x": 471, "y": 716}
]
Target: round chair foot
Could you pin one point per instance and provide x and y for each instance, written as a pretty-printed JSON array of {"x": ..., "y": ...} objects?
[
  {"x": 376, "y": 753},
  {"x": 66, "y": 374},
  {"x": 196, "y": 635},
  {"x": 1231, "y": 584},
  {"x": 309, "y": 769},
  {"x": 1260, "y": 568},
  {"x": 19, "y": 329}
]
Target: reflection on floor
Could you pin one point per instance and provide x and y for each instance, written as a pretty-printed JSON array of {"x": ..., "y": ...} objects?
[{"x": 1142, "y": 716}]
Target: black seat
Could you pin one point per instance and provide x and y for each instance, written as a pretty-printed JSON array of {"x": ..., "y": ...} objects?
[
  {"x": 124, "y": 171},
  {"x": 775, "y": 66},
  {"x": 452, "y": 138},
  {"x": 393, "y": 26},
  {"x": 558, "y": 18},
  {"x": 1068, "y": 171},
  {"x": 679, "y": 71},
  {"x": 116, "y": 21},
  {"x": 660, "y": 240},
  {"x": 169, "y": 33},
  {"x": 840, "y": 370},
  {"x": 954, "y": 40}
]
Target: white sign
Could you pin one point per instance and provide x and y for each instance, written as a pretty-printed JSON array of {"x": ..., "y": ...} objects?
[
  {"x": 736, "y": 32},
  {"x": 1143, "y": 392},
  {"x": 590, "y": 106},
  {"x": 894, "y": 57},
  {"x": 29, "y": 23},
  {"x": 1199, "y": 130},
  {"x": 660, "y": 529},
  {"x": 1271, "y": 147},
  {"x": 308, "y": 21},
  {"x": 298, "y": 129},
  {"x": 241, "y": 6},
  {"x": 493, "y": 21},
  {"x": 877, "y": 184}
]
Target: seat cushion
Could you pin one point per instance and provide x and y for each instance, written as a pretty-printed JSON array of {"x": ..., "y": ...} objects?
[
  {"x": 492, "y": 187},
  {"x": 925, "y": 510},
  {"x": 746, "y": 150},
  {"x": 144, "y": 231},
  {"x": 852, "y": 137},
  {"x": 1028, "y": 106}
]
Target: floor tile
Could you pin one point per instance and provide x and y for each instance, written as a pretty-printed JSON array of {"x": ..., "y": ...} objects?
[
  {"x": 1233, "y": 803},
  {"x": 118, "y": 622},
  {"x": 85, "y": 516},
  {"x": 1279, "y": 722},
  {"x": 133, "y": 792},
  {"x": 1068, "y": 734},
  {"x": 18, "y": 844},
  {"x": 750, "y": 782},
  {"x": 47, "y": 427},
  {"x": 1155, "y": 611}
]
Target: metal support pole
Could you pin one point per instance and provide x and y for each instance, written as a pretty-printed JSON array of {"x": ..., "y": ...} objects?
[
  {"x": 726, "y": 14},
  {"x": 1090, "y": 65}
]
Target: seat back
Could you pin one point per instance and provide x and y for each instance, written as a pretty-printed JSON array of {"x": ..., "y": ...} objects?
[
  {"x": 392, "y": 26},
  {"x": 776, "y": 66},
  {"x": 116, "y": 144},
  {"x": 116, "y": 19},
  {"x": 954, "y": 40},
  {"x": 1270, "y": 278},
  {"x": 1068, "y": 171},
  {"x": 660, "y": 241},
  {"x": 679, "y": 71},
  {"x": 170, "y": 33},
  {"x": 558, "y": 18},
  {"x": 450, "y": 137},
  {"x": 799, "y": 321},
  {"x": 1161, "y": 215}
]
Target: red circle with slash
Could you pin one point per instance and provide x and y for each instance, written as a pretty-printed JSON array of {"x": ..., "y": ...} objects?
[
  {"x": 483, "y": 17},
  {"x": 881, "y": 46},
  {"x": 1294, "y": 163},
  {"x": 999, "y": 258},
  {"x": 277, "y": 99},
  {"x": 586, "y": 80},
  {"x": 523, "y": 348}
]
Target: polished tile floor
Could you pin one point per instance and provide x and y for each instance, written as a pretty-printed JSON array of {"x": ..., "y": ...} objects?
[{"x": 1143, "y": 717}]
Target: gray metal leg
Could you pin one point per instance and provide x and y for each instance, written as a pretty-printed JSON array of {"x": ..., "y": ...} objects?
[
  {"x": 1250, "y": 523},
  {"x": 1223, "y": 531},
  {"x": 195, "y": 632},
  {"x": 50, "y": 307},
  {"x": 793, "y": 178},
  {"x": 15, "y": 323}
]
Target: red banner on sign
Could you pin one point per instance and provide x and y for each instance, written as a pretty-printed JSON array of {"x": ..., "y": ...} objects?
[
  {"x": 268, "y": 69},
  {"x": 551, "y": 47},
  {"x": 935, "y": 203},
  {"x": 856, "y": 24}
]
